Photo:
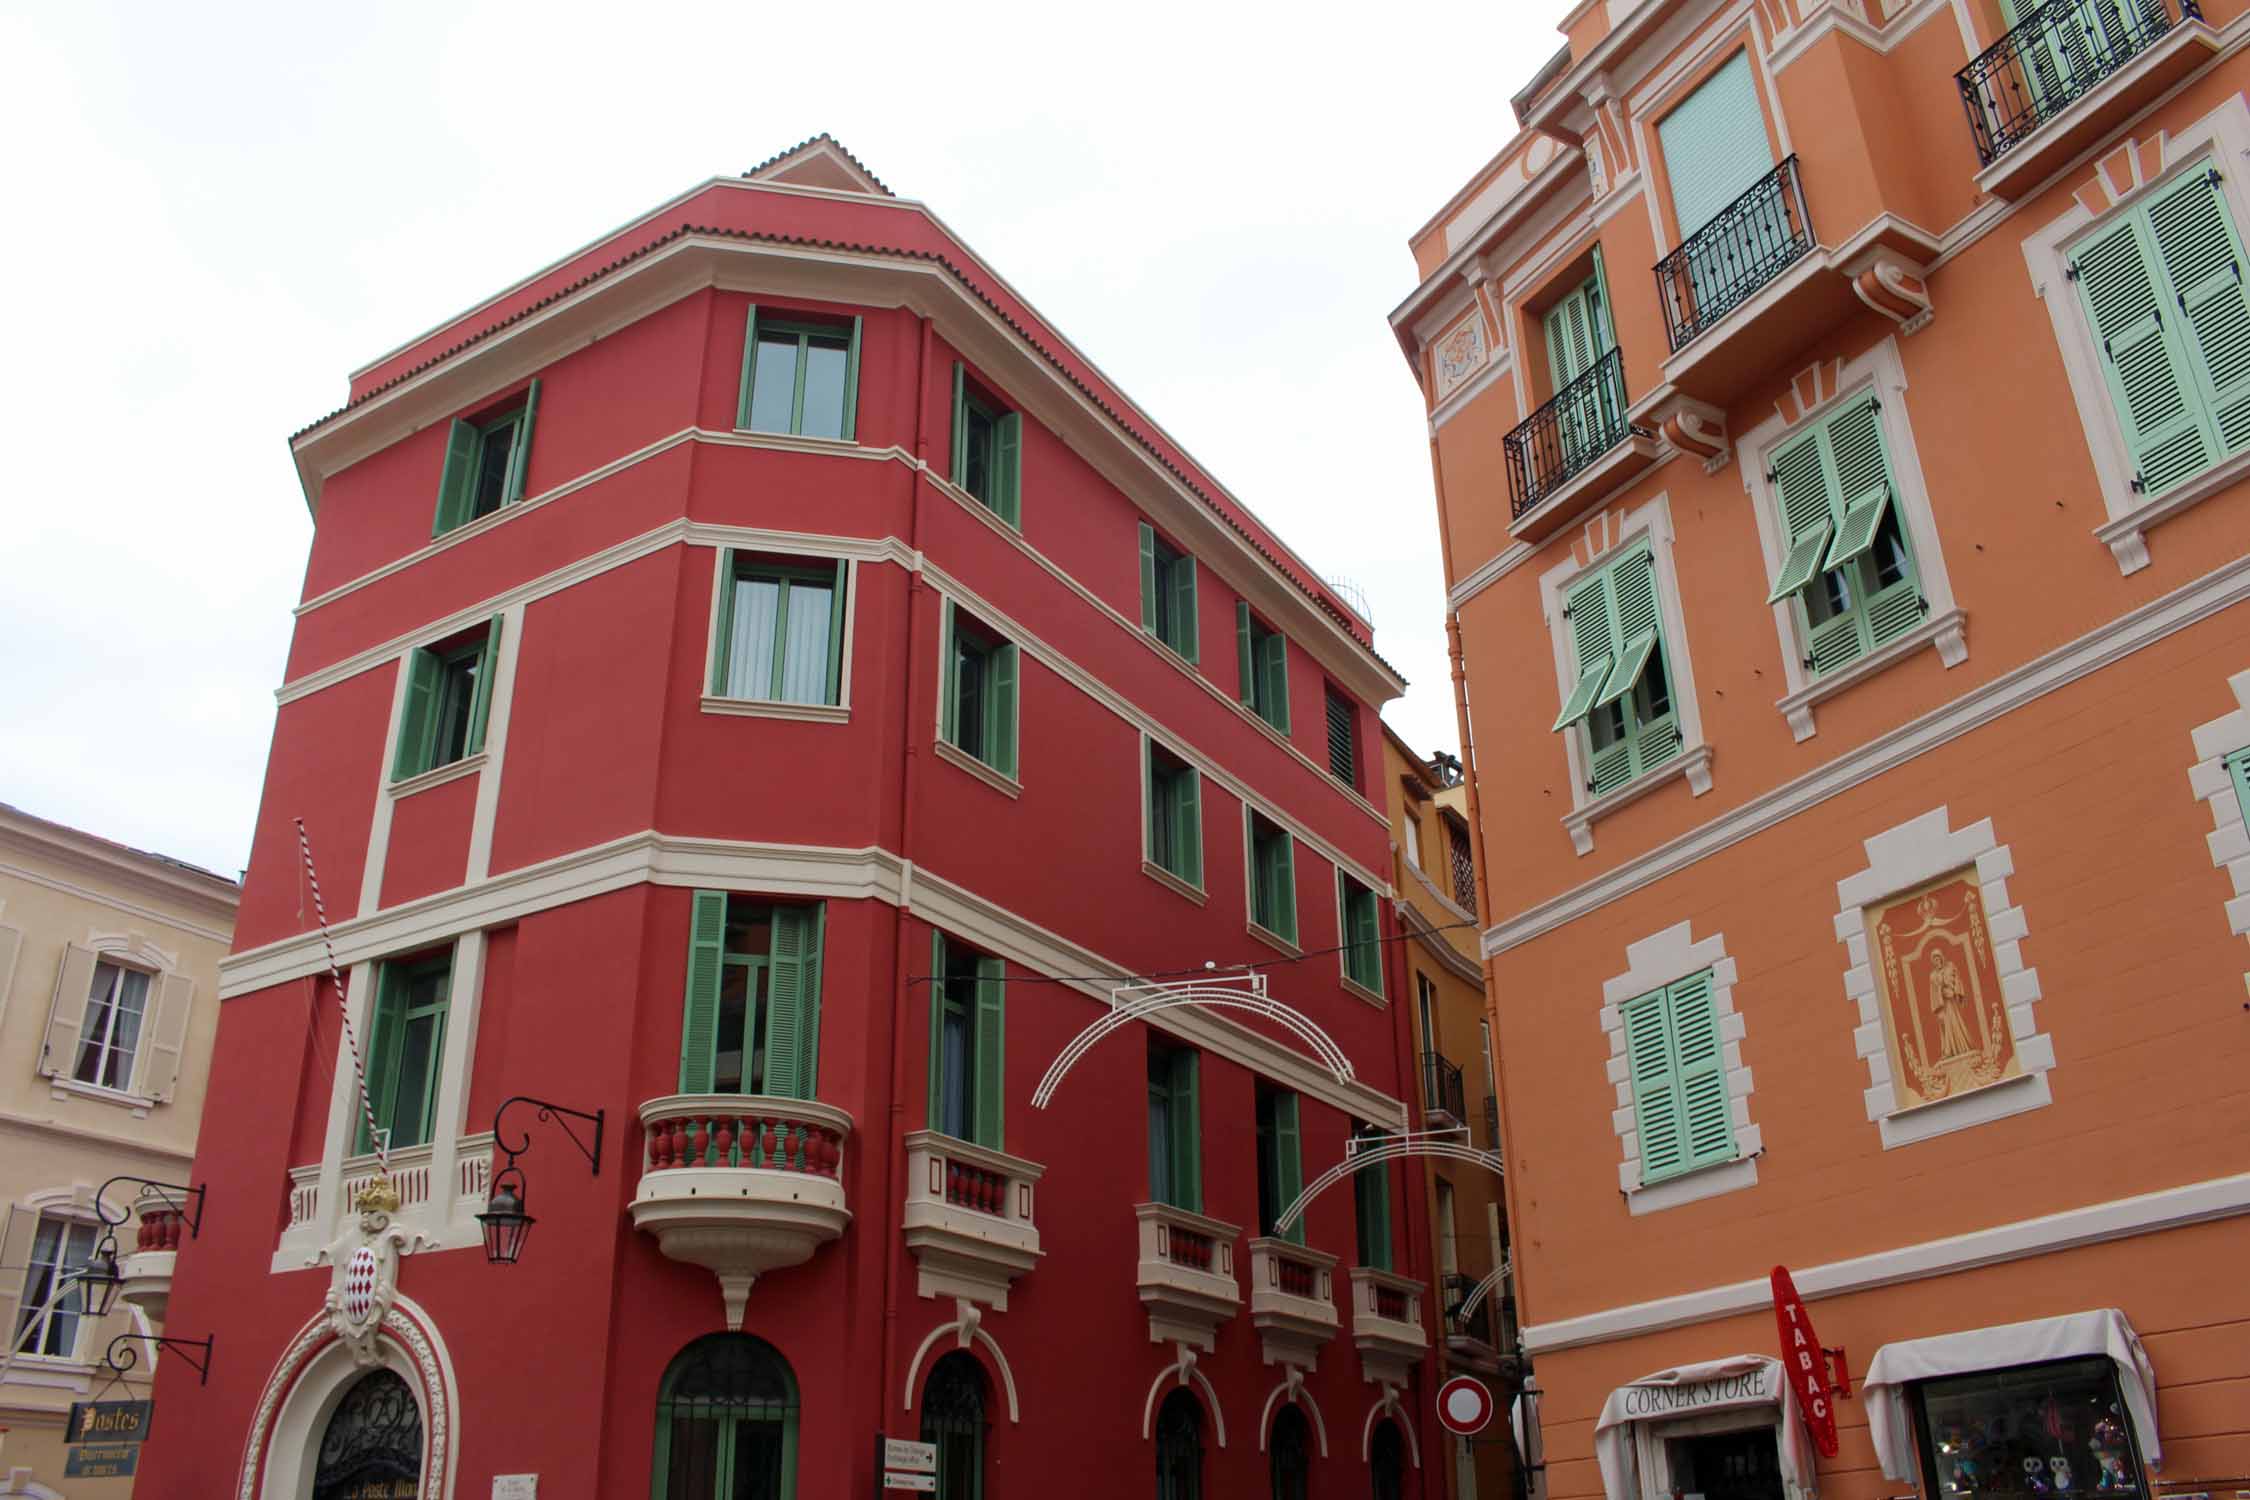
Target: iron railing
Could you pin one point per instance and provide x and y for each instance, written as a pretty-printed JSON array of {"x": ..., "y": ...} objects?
[
  {"x": 2052, "y": 58},
  {"x": 1477, "y": 1325},
  {"x": 1743, "y": 248},
  {"x": 1492, "y": 1122},
  {"x": 1554, "y": 444},
  {"x": 1441, "y": 1085}
]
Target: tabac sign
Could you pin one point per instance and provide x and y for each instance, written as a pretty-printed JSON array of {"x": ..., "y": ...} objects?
[{"x": 1804, "y": 1362}]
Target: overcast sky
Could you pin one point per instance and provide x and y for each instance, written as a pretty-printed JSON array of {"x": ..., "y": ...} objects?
[{"x": 222, "y": 209}]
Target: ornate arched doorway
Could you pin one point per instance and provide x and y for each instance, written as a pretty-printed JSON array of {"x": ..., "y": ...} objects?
[{"x": 373, "y": 1443}]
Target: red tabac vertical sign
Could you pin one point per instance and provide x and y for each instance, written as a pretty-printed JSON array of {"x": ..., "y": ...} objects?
[{"x": 1806, "y": 1365}]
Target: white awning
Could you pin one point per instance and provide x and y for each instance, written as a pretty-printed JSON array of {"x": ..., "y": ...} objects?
[
  {"x": 2102, "y": 1333},
  {"x": 1743, "y": 1380}
]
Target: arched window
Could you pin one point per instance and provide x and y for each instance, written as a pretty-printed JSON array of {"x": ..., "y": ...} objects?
[
  {"x": 1179, "y": 1448},
  {"x": 726, "y": 1422},
  {"x": 1289, "y": 1453},
  {"x": 953, "y": 1418},
  {"x": 373, "y": 1444},
  {"x": 1387, "y": 1457}
]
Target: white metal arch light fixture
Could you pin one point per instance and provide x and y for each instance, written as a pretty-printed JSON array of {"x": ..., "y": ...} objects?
[
  {"x": 1363, "y": 1151},
  {"x": 1137, "y": 1002}
]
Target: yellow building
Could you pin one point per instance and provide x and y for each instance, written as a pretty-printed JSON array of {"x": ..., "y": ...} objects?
[
  {"x": 109, "y": 962},
  {"x": 1435, "y": 875}
]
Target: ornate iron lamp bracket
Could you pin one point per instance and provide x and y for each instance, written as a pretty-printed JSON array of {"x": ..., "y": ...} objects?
[
  {"x": 132, "y": 1355},
  {"x": 557, "y": 1113}
]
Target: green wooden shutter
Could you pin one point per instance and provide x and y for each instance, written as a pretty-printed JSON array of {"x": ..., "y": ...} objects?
[
  {"x": 1187, "y": 1133},
  {"x": 1187, "y": 828},
  {"x": 749, "y": 370},
  {"x": 1573, "y": 328},
  {"x": 837, "y": 605},
  {"x": 2201, "y": 253},
  {"x": 699, "y": 1030},
  {"x": 724, "y": 645},
  {"x": 1273, "y": 681},
  {"x": 1633, "y": 588},
  {"x": 1245, "y": 657},
  {"x": 2238, "y": 767},
  {"x": 1594, "y": 646},
  {"x": 1007, "y": 467},
  {"x": 1863, "y": 479},
  {"x": 851, "y": 386},
  {"x": 991, "y": 1069},
  {"x": 488, "y": 667},
  {"x": 1002, "y": 668},
  {"x": 960, "y": 425},
  {"x": 949, "y": 708},
  {"x": 1366, "y": 939},
  {"x": 1374, "y": 1196},
  {"x": 384, "y": 1036},
  {"x": 1600, "y": 322},
  {"x": 937, "y": 1030},
  {"x": 1808, "y": 513},
  {"x": 1148, "y": 577},
  {"x": 1288, "y": 1161},
  {"x": 2157, "y": 400},
  {"x": 1656, "y": 1088},
  {"x": 519, "y": 447},
  {"x": 411, "y": 756},
  {"x": 1706, "y": 1114},
  {"x": 453, "y": 483},
  {"x": 1187, "y": 639},
  {"x": 793, "y": 996},
  {"x": 1715, "y": 145},
  {"x": 1280, "y": 875}
]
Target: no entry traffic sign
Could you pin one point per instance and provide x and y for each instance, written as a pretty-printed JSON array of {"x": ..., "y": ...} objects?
[{"x": 1464, "y": 1405}]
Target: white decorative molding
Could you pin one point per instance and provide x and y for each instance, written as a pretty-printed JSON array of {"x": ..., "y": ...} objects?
[
  {"x": 2189, "y": 605},
  {"x": 1651, "y": 963},
  {"x": 452, "y": 770},
  {"x": 967, "y": 1328},
  {"x": 1459, "y": 353},
  {"x": 2093, "y": 1224},
  {"x": 292, "y": 1412},
  {"x": 1388, "y": 1405},
  {"x": 1292, "y": 1390},
  {"x": 1898, "y": 859},
  {"x": 1184, "y": 1370},
  {"x": 1692, "y": 766},
  {"x": 1948, "y": 633},
  {"x": 961, "y": 759},
  {"x": 2208, "y": 778}
]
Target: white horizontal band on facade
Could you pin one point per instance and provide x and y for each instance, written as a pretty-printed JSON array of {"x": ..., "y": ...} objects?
[
  {"x": 2121, "y": 1218},
  {"x": 2188, "y": 605},
  {"x": 809, "y": 871}
]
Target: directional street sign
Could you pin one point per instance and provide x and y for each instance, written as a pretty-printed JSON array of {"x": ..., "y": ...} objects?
[{"x": 1464, "y": 1405}]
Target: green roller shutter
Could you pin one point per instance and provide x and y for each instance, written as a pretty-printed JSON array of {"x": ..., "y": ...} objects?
[
  {"x": 1833, "y": 489},
  {"x": 1289, "y": 1169},
  {"x": 1187, "y": 825},
  {"x": 723, "y": 647},
  {"x": 991, "y": 1044},
  {"x": 423, "y": 670},
  {"x": 1148, "y": 577},
  {"x": 488, "y": 667},
  {"x": 1187, "y": 1133},
  {"x": 519, "y": 447},
  {"x": 699, "y": 1030},
  {"x": 460, "y": 471},
  {"x": 1715, "y": 145}
]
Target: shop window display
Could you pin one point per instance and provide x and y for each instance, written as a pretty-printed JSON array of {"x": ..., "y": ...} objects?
[{"x": 2045, "y": 1430}]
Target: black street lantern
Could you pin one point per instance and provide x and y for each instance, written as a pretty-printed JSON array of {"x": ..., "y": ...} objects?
[
  {"x": 98, "y": 1279},
  {"x": 506, "y": 1225}
]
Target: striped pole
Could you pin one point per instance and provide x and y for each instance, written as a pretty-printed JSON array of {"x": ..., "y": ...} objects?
[{"x": 344, "y": 1009}]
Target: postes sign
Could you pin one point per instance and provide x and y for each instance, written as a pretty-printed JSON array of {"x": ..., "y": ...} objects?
[{"x": 1804, "y": 1362}]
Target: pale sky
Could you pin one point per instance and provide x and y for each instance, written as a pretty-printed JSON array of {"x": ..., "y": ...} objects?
[{"x": 221, "y": 209}]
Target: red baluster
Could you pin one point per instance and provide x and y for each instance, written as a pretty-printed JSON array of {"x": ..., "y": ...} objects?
[{"x": 726, "y": 1142}]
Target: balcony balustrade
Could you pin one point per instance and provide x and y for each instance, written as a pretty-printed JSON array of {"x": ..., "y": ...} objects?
[
  {"x": 741, "y": 1184},
  {"x": 1441, "y": 1090},
  {"x": 441, "y": 1207},
  {"x": 1292, "y": 1300},
  {"x": 1473, "y": 1329},
  {"x": 1744, "y": 249},
  {"x": 1387, "y": 1324},
  {"x": 145, "y": 1270},
  {"x": 1576, "y": 447},
  {"x": 2056, "y": 56},
  {"x": 968, "y": 1218},
  {"x": 1187, "y": 1276}
]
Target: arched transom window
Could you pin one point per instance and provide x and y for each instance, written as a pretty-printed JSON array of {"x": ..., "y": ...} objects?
[{"x": 726, "y": 1423}]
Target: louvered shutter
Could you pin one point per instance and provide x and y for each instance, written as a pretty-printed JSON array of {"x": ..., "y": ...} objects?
[
  {"x": 1187, "y": 1133},
  {"x": 1633, "y": 589},
  {"x": 66, "y": 1012},
  {"x": 1244, "y": 656},
  {"x": 1007, "y": 466},
  {"x": 723, "y": 644},
  {"x": 2201, "y": 253},
  {"x": 2238, "y": 766},
  {"x": 960, "y": 425},
  {"x": 174, "y": 1002},
  {"x": 1187, "y": 826},
  {"x": 936, "y": 988},
  {"x": 838, "y": 602},
  {"x": 422, "y": 670},
  {"x": 749, "y": 370},
  {"x": 1002, "y": 669},
  {"x": 1808, "y": 514},
  {"x": 991, "y": 1068},
  {"x": 19, "y": 1230},
  {"x": 1706, "y": 1114},
  {"x": 949, "y": 678},
  {"x": 1273, "y": 680},
  {"x": 1281, "y": 880},
  {"x": 488, "y": 667},
  {"x": 1343, "y": 741},
  {"x": 1288, "y": 1162},
  {"x": 1656, "y": 1087},
  {"x": 1715, "y": 145},
  {"x": 850, "y": 433},
  {"x": 699, "y": 1028},
  {"x": 1184, "y": 636},
  {"x": 1863, "y": 479},
  {"x": 519, "y": 448},
  {"x": 1377, "y": 1203},
  {"x": 1570, "y": 337},
  {"x": 793, "y": 1000},
  {"x": 453, "y": 482},
  {"x": 2150, "y": 385},
  {"x": 1148, "y": 577},
  {"x": 385, "y": 1035},
  {"x": 1593, "y": 646}
]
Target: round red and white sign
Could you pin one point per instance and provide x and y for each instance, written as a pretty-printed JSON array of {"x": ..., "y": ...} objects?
[{"x": 1464, "y": 1405}]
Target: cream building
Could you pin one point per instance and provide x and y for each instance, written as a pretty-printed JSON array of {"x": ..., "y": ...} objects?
[{"x": 109, "y": 961}]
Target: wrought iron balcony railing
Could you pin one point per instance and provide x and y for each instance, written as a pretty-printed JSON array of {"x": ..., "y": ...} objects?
[
  {"x": 1476, "y": 1325},
  {"x": 1554, "y": 444},
  {"x": 1744, "y": 247},
  {"x": 2052, "y": 58},
  {"x": 1441, "y": 1086}
]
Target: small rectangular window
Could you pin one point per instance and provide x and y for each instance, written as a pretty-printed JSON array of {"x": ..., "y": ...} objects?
[
  {"x": 1175, "y": 816},
  {"x": 1168, "y": 594},
  {"x": 1281, "y": 1172},
  {"x": 59, "y": 1249},
  {"x": 486, "y": 461},
  {"x": 1273, "y": 876},
  {"x": 979, "y": 715},
  {"x": 781, "y": 630},
  {"x": 987, "y": 448},
  {"x": 1846, "y": 567},
  {"x": 448, "y": 699},
  {"x": 799, "y": 376},
  {"x": 967, "y": 1033},
  {"x": 1371, "y": 1204},
  {"x": 753, "y": 997},
  {"x": 1263, "y": 661},
  {"x": 1175, "y": 1150},
  {"x": 1343, "y": 737},
  {"x": 1361, "y": 934},
  {"x": 109, "y": 1039},
  {"x": 1623, "y": 697},
  {"x": 406, "y": 1048}
]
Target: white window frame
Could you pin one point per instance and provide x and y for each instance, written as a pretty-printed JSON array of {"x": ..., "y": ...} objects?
[
  {"x": 151, "y": 993},
  {"x": 2213, "y": 784},
  {"x": 1149, "y": 867},
  {"x": 1377, "y": 998},
  {"x": 125, "y": 950},
  {"x": 70, "y": 1207},
  {"x": 1620, "y": 530},
  {"x": 1655, "y": 961},
  {"x": 945, "y": 750},
  {"x": 1879, "y": 373},
  {"x": 2222, "y": 137},
  {"x": 1250, "y": 923}
]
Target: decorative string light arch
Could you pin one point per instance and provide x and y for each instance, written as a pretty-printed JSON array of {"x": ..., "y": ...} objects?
[
  {"x": 1489, "y": 1285},
  {"x": 1137, "y": 1002},
  {"x": 1364, "y": 1151}
]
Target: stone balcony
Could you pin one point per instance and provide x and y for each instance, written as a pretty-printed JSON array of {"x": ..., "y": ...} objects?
[
  {"x": 145, "y": 1270},
  {"x": 1387, "y": 1324},
  {"x": 438, "y": 1208},
  {"x": 1186, "y": 1275},
  {"x": 1292, "y": 1301},
  {"x": 741, "y": 1184},
  {"x": 968, "y": 1218}
]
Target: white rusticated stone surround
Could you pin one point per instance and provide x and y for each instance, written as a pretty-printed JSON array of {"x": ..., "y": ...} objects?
[
  {"x": 2229, "y": 839},
  {"x": 1657, "y": 960},
  {"x": 1918, "y": 850}
]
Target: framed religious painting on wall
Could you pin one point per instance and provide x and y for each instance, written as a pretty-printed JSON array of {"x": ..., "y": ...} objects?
[{"x": 1944, "y": 1020}]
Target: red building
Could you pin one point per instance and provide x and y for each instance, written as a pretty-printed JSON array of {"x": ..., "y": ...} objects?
[{"x": 758, "y": 681}]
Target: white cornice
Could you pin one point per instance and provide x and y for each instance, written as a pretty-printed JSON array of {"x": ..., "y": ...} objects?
[{"x": 43, "y": 842}]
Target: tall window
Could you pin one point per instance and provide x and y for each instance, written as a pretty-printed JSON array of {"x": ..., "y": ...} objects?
[
  {"x": 979, "y": 715},
  {"x": 1289, "y": 1453},
  {"x": 448, "y": 699},
  {"x": 59, "y": 1249},
  {"x": 1263, "y": 659},
  {"x": 1343, "y": 737},
  {"x": 1461, "y": 863},
  {"x": 1413, "y": 827},
  {"x": 799, "y": 376},
  {"x": 1623, "y": 696},
  {"x": 406, "y": 1048},
  {"x": 1386, "y": 1456},
  {"x": 1371, "y": 1204},
  {"x": 1281, "y": 1171},
  {"x": 1175, "y": 1147},
  {"x": 726, "y": 1422},
  {"x": 486, "y": 460},
  {"x": 987, "y": 449},
  {"x": 110, "y": 1038},
  {"x": 1168, "y": 594},
  {"x": 1273, "y": 876},
  {"x": 373, "y": 1442},
  {"x": 1174, "y": 816},
  {"x": 968, "y": 1031},
  {"x": 1678, "y": 1070},
  {"x": 953, "y": 1418},
  {"x": 1848, "y": 569},
  {"x": 753, "y": 998},
  {"x": 1361, "y": 932},
  {"x": 781, "y": 630},
  {"x": 1179, "y": 1448}
]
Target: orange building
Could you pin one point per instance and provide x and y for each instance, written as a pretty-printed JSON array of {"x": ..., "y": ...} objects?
[{"x": 1840, "y": 416}]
